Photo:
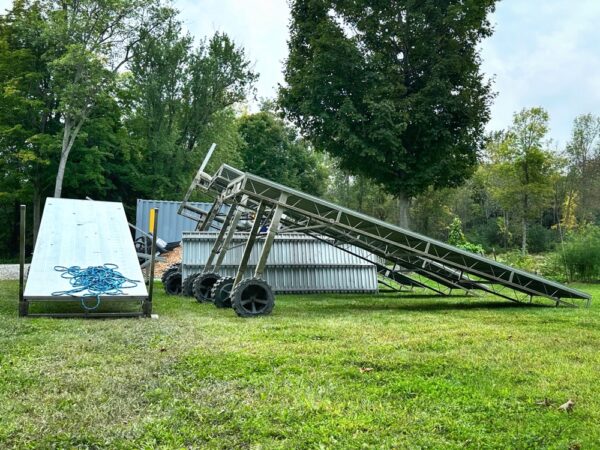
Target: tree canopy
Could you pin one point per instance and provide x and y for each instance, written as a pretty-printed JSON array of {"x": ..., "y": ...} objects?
[
  {"x": 392, "y": 88},
  {"x": 273, "y": 150}
]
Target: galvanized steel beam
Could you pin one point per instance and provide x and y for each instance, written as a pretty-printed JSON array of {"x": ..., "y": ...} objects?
[
  {"x": 272, "y": 231},
  {"x": 249, "y": 245}
]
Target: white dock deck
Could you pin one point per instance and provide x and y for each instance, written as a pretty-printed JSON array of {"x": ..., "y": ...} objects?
[{"x": 82, "y": 233}]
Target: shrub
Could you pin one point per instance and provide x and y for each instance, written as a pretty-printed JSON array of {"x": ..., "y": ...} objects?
[
  {"x": 457, "y": 238},
  {"x": 539, "y": 239},
  {"x": 581, "y": 254},
  {"x": 517, "y": 259}
]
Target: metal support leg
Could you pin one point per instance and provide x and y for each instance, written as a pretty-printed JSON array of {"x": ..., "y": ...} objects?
[
  {"x": 147, "y": 307},
  {"x": 249, "y": 244},
  {"x": 214, "y": 210},
  {"x": 262, "y": 261},
  {"x": 23, "y": 305},
  {"x": 230, "y": 233},
  {"x": 219, "y": 241}
]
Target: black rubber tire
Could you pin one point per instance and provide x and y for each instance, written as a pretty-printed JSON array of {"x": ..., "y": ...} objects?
[
  {"x": 221, "y": 292},
  {"x": 166, "y": 273},
  {"x": 252, "y": 297},
  {"x": 172, "y": 268},
  {"x": 203, "y": 285},
  {"x": 187, "y": 287},
  {"x": 173, "y": 284}
]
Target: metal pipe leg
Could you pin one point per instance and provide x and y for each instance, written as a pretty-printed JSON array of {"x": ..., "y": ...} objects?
[
  {"x": 249, "y": 244},
  {"x": 212, "y": 213},
  {"x": 148, "y": 303},
  {"x": 23, "y": 305},
  {"x": 219, "y": 241},
  {"x": 264, "y": 255},
  {"x": 230, "y": 233},
  {"x": 196, "y": 179}
]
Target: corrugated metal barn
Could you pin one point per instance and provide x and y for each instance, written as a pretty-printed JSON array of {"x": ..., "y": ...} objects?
[{"x": 297, "y": 263}]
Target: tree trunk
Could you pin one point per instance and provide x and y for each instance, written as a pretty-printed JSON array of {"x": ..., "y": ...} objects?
[
  {"x": 524, "y": 241},
  {"x": 69, "y": 135},
  {"x": 403, "y": 202},
  {"x": 505, "y": 231}
]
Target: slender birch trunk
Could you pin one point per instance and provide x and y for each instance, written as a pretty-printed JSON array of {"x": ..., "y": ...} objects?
[{"x": 69, "y": 135}]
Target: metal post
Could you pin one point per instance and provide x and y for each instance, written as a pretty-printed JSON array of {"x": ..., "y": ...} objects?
[
  {"x": 214, "y": 210},
  {"x": 249, "y": 244},
  {"x": 218, "y": 242},
  {"x": 262, "y": 261},
  {"x": 148, "y": 303},
  {"x": 230, "y": 233},
  {"x": 23, "y": 306}
]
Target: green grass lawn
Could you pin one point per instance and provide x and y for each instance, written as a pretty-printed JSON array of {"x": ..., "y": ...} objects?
[{"x": 454, "y": 372}]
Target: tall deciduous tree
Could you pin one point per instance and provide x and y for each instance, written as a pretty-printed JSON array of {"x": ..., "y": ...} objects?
[
  {"x": 392, "y": 88},
  {"x": 583, "y": 151},
  {"x": 92, "y": 40},
  {"x": 177, "y": 95},
  {"x": 28, "y": 119},
  {"x": 522, "y": 169},
  {"x": 272, "y": 149},
  {"x": 220, "y": 76}
]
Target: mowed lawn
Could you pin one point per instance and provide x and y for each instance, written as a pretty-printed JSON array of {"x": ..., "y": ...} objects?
[{"x": 324, "y": 371}]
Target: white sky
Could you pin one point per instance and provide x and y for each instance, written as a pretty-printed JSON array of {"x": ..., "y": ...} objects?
[{"x": 543, "y": 52}]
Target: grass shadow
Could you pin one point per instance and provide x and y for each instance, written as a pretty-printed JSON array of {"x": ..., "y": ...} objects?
[{"x": 414, "y": 303}]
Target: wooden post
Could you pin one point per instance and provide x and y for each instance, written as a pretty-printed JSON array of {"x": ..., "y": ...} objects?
[
  {"x": 148, "y": 304},
  {"x": 23, "y": 307}
]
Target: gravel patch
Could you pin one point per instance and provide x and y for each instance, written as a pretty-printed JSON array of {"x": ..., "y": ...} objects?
[{"x": 10, "y": 271}]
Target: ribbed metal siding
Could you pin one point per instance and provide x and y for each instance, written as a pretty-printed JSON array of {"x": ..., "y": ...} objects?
[
  {"x": 297, "y": 263},
  {"x": 170, "y": 224}
]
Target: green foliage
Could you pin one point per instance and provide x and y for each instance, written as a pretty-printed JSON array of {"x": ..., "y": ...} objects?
[
  {"x": 272, "y": 149},
  {"x": 178, "y": 99},
  {"x": 431, "y": 214},
  {"x": 116, "y": 88},
  {"x": 393, "y": 89},
  {"x": 528, "y": 262},
  {"x": 583, "y": 152},
  {"x": 360, "y": 194},
  {"x": 457, "y": 238},
  {"x": 581, "y": 254},
  {"x": 540, "y": 239},
  {"x": 521, "y": 171},
  {"x": 219, "y": 75}
]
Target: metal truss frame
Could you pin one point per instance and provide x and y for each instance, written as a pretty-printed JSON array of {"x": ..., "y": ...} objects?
[{"x": 410, "y": 259}]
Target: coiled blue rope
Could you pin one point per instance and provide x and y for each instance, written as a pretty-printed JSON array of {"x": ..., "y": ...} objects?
[{"x": 96, "y": 280}]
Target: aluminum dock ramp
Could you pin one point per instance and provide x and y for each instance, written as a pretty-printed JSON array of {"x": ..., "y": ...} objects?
[
  {"x": 83, "y": 233},
  {"x": 405, "y": 258}
]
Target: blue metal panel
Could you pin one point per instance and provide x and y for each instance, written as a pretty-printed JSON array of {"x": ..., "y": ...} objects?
[{"x": 170, "y": 224}]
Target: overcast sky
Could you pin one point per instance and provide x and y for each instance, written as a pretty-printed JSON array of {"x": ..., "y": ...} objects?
[{"x": 543, "y": 52}]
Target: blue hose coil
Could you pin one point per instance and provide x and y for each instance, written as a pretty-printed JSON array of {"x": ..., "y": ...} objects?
[{"x": 96, "y": 280}]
